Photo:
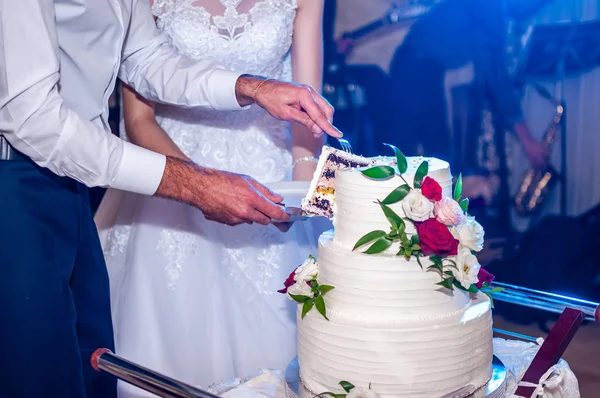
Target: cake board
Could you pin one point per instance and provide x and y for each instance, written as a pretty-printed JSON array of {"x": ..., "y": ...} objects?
[{"x": 495, "y": 388}]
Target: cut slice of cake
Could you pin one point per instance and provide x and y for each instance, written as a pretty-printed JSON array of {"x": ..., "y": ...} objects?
[{"x": 321, "y": 194}]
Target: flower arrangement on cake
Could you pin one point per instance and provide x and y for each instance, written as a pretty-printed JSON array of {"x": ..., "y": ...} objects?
[
  {"x": 446, "y": 239},
  {"x": 302, "y": 287},
  {"x": 445, "y": 233}
]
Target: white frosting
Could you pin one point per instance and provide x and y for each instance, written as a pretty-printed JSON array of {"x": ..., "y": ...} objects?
[
  {"x": 382, "y": 291},
  {"x": 356, "y": 210},
  {"x": 428, "y": 359},
  {"x": 390, "y": 325}
]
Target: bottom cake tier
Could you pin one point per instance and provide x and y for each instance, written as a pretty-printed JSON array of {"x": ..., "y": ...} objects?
[{"x": 427, "y": 358}]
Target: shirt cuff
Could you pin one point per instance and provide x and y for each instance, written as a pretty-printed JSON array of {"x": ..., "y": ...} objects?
[
  {"x": 140, "y": 171},
  {"x": 221, "y": 84}
]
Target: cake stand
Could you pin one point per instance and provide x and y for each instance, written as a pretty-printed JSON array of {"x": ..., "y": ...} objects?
[{"x": 495, "y": 388}]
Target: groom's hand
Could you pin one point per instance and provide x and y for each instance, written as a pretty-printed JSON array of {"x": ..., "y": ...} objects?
[
  {"x": 224, "y": 197},
  {"x": 288, "y": 101}
]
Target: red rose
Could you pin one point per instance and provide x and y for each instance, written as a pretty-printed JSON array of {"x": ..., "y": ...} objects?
[
  {"x": 435, "y": 238},
  {"x": 288, "y": 282},
  {"x": 484, "y": 277},
  {"x": 431, "y": 189}
]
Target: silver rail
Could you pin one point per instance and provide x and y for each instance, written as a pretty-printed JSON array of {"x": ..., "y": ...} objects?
[
  {"x": 146, "y": 379},
  {"x": 549, "y": 302}
]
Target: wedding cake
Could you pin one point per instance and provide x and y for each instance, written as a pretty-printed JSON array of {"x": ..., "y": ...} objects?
[{"x": 395, "y": 304}]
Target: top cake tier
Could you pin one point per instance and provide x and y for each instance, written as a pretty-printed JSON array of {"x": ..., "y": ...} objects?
[{"x": 356, "y": 211}]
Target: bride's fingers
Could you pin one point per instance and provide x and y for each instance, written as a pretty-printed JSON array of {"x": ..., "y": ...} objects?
[
  {"x": 318, "y": 116},
  {"x": 303, "y": 118},
  {"x": 323, "y": 104}
]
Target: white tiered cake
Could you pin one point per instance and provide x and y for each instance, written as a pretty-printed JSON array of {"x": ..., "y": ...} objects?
[{"x": 387, "y": 322}]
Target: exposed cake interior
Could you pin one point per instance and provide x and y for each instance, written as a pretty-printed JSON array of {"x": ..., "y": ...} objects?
[{"x": 321, "y": 194}]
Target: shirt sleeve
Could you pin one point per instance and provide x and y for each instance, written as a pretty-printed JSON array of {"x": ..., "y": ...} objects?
[
  {"x": 35, "y": 120},
  {"x": 157, "y": 71}
]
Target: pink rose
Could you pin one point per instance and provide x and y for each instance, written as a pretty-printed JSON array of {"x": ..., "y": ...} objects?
[{"x": 448, "y": 212}]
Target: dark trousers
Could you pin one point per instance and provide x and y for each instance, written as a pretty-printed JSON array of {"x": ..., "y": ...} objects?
[
  {"x": 418, "y": 105},
  {"x": 54, "y": 292}
]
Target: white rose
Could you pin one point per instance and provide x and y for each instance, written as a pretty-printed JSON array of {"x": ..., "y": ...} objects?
[
  {"x": 468, "y": 268},
  {"x": 448, "y": 212},
  {"x": 359, "y": 392},
  {"x": 416, "y": 206},
  {"x": 471, "y": 234},
  {"x": 307, "y": 271},
  {"x": 300, "y": 288}
]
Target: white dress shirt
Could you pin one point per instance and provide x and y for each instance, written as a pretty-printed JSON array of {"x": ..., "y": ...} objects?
[{"x": 59, "y": 60}]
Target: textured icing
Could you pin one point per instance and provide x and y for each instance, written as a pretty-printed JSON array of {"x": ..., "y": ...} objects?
[
  {"x": 356, "y": 211},
  {"x": 429, "y": 359},
  {"x": 377, "y": 290},
  {"x": 390, "y": 326}
]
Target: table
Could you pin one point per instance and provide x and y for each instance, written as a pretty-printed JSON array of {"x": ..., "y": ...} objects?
[{"x": 558, "y": 382}]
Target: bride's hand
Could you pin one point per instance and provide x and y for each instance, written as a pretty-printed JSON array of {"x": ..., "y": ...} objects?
[
  {"x": 289, "y": 101},
  {"x": 224, "y": 197}
]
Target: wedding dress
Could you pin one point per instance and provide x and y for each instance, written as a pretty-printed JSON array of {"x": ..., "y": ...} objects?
[{"x": 193, "y": 299}]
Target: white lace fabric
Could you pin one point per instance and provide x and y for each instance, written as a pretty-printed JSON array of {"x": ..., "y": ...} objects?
[
  {"x": 193, "y": 299},
  {"x": 252, "y": 37}
]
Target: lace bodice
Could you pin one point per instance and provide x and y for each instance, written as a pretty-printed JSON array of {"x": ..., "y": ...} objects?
[{"x": 245, "y": 36}]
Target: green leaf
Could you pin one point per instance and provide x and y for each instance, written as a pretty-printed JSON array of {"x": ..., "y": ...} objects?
[
  {"x": 491, "y": 299},
  {"x": 379, "y": 172},
  {"x": 458, "y": 188},
  {"x": 306, "y": 307},
  {"x": 325, "y": 289},
  {"x": 436, "y": 267},
  {"x": 464, "y": 205},
  {"x": 495, "y": 290},
  {"x": 415, "y": 248},
  {"x": 407, "y": 255},
  {"x": 320, "y": 304},
  {"x": 400, "y": 159},
  {"x": 447, "y": 283},
  {"x": 347, "y": 386},
  {"x": 420, "y": 174},
  {"x": 370, "y": 237},
  {"x": 418, "y": 256},
  {"x": 405, "y": 241},
  {"x": 402, "y": 229},
  {"x": 330, "y": 394},
  {"x": 473, "y": 289},
  {"x": 415, "y": 239},
  {"x": 400, "y": 252},
  {"x": 391, "y": 215},
  {"x": 379, "y": 246},
  {"x": 396, "y": 195},
  {"x": 452, "y": 263},
  {"x": 299, "y": 298},
  {"x": 435, "y": 259}
]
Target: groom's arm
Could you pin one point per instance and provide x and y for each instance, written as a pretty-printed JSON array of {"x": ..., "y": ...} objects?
[
  {"x": 158, "y": 72},
  {"x": 36, "y": 121}
]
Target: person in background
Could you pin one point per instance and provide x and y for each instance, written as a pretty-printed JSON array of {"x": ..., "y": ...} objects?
[
  {"x": 456, "y": 34},
  {"x": 193, "y": 299}
]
